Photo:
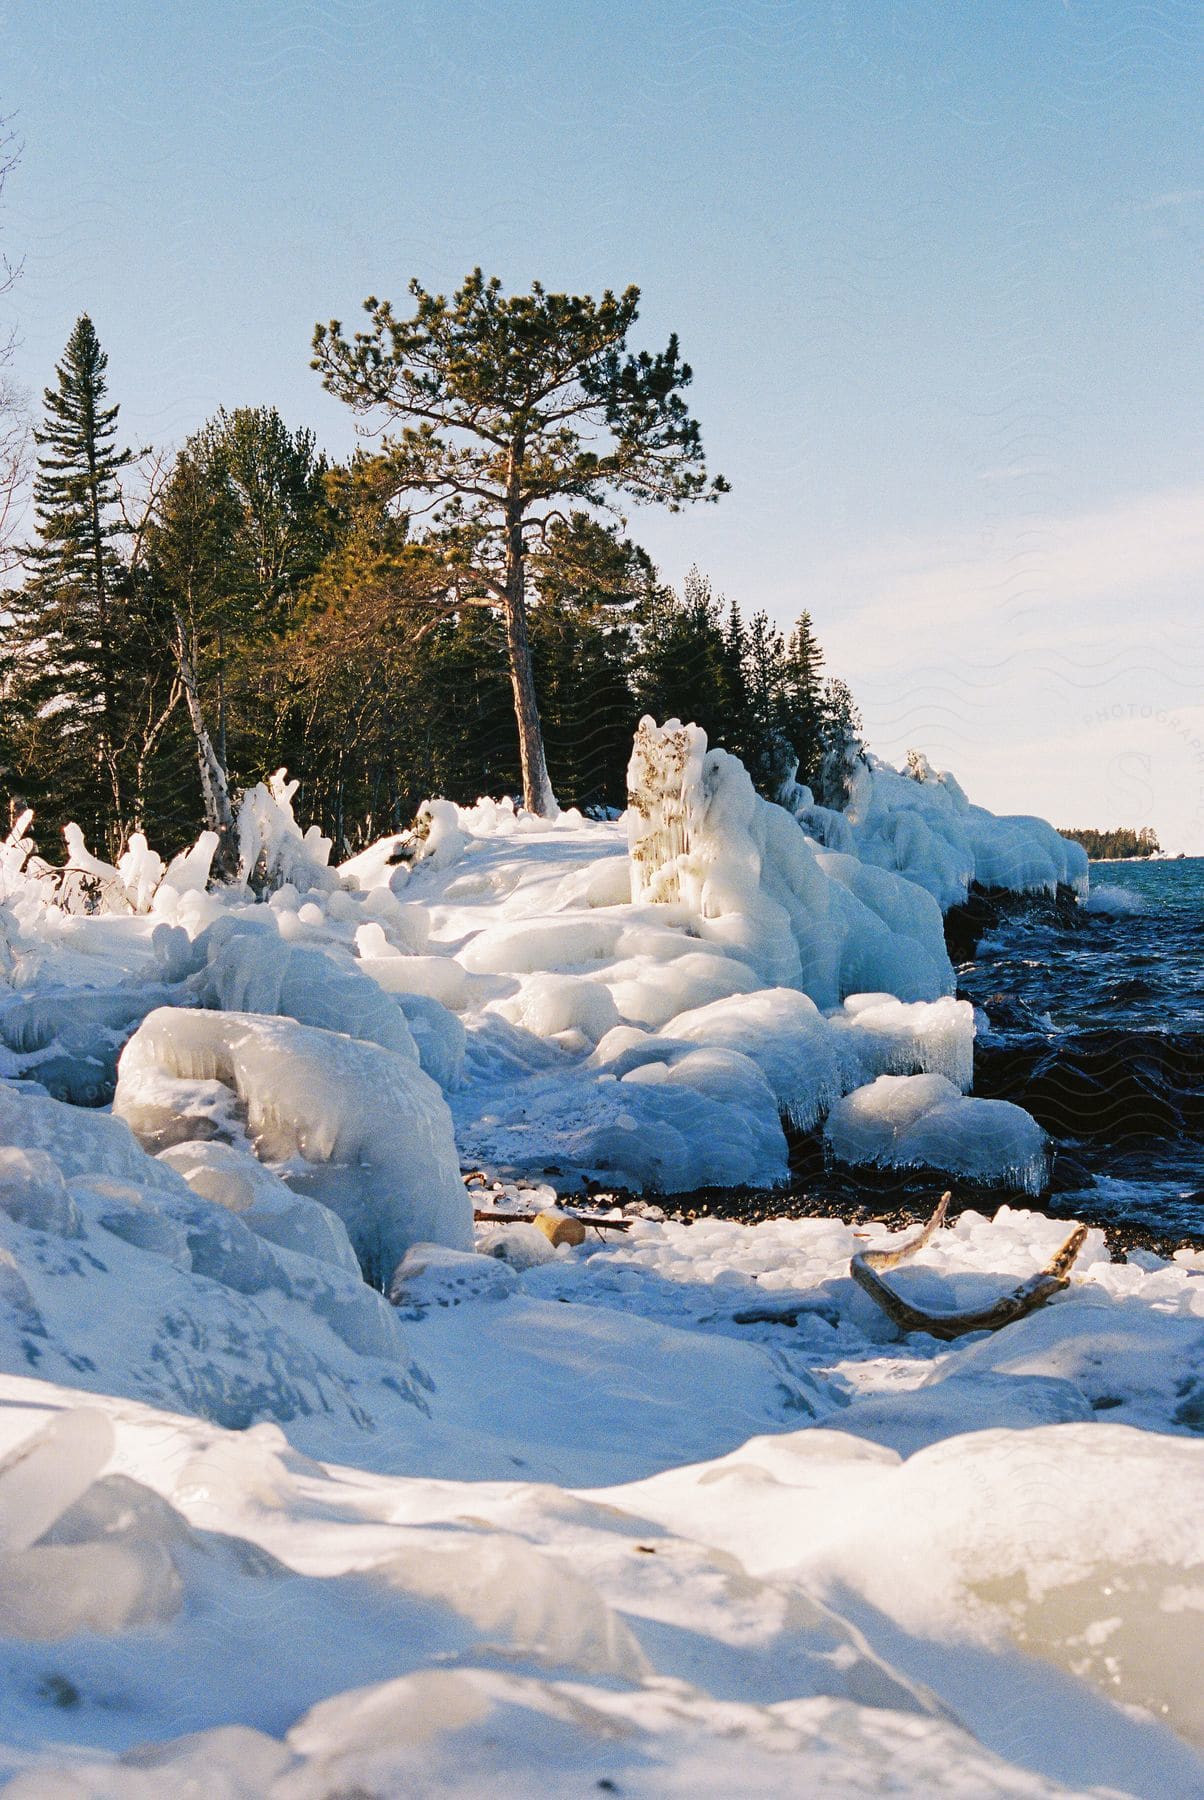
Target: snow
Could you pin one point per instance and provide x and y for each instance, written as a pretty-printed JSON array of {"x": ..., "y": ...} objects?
[
  {"x": 673, "y": 1510},
  {"x": 659, "y": 1547}
]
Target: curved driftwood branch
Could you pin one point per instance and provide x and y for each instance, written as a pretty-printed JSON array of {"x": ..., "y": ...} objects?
[{"x": 866, "y": 1266}]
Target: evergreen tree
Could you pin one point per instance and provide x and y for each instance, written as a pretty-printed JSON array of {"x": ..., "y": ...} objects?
[
  {"x": 511, "y": 409},
  {"x": 803, "y": 701},
  {"x": 684, "y": 666},
  {"x": 71, "y": 664},
  {"x": 767, "y": 753},
  {"x": 589, "y": 582}
]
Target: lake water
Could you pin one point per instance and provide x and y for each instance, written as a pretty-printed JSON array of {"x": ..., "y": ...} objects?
[{"x": 1100, "y": 1032}]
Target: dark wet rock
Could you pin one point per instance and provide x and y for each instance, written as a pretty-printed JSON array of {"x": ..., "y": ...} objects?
[
  {"x": 1068, "y": 1173},
  {"x": 1010, "y": 1016},
  {"x": 985, "y": 909}
]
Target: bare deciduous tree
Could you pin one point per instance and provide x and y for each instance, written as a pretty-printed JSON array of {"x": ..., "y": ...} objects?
[{"x": 14, "y": 424}]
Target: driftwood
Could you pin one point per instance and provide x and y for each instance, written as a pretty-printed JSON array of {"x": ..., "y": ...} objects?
[
  {"x": 484, "y": 1216},
  {"x": 866, "y": 1266}
]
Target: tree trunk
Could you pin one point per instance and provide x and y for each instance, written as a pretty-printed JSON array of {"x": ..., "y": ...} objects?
[
  {"x": 104, "y": 640},
  {"x": 150, "y": 738},
  {"x": 215, "y": 790},
  {"x": 537, "y": 787}
]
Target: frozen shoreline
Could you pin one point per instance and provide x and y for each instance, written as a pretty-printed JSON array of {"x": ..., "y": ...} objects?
[{"x": 559, "y": 1518}]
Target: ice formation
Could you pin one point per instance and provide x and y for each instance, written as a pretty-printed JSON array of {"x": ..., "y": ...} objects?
[
  {"x": 922, "y": 1121},
  {"x": 585, "y": 993},
  {"x": 673, "y": 1509},
  {"x": 354, "y": 1125},
  {"x": 919, "y": 822}
]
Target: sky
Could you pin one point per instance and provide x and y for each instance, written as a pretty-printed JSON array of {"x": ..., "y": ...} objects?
[{"x": 937, "y": 269}]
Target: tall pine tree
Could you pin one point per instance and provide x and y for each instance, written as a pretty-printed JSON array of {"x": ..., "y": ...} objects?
[
  {"x": 69, "y": 664},
  {"x": 803, "y": 699},
  {"x": 511, "y": 410}
]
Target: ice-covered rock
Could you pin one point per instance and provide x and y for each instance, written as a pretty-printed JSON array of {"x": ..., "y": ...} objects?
[
  {"x": 923, "y": 1121},
  {"x": 356, "y": 1126},
  {"x": 757, "y": 886},
  {"x": 231, "y": 1176},
  {"x": 251, "y": 968},
  {"x": 785, "y": 1035},
  {"x": 876, "y": 1035},
  {"x": 921, "y": 824}
]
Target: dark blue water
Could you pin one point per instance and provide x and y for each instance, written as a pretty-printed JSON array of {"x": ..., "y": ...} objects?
[{"x": 1100, "y": 1031}]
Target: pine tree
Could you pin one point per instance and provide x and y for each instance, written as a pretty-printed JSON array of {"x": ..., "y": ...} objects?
[
  {"x": 803, "y": 702},
  {"x": 589, "y": 583},
  {"x": 768, "y": 754},
  {"x": 512, "y": 409},
  {"x": 69, "y": 658},
  {"x": 240, "y": 527}
]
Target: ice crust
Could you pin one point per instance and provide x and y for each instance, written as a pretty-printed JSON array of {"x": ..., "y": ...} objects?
[{"x": 753, "y": 1559}]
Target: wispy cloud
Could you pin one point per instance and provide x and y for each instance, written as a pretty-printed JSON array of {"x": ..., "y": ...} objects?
[
  {"x": 1042, "y": 655},
  {"x": 1173, "y": 197},
  {"x": 1143, "y": 546}
]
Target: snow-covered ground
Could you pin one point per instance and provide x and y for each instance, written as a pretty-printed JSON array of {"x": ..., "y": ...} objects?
[{"x": 675, "y": 1509}]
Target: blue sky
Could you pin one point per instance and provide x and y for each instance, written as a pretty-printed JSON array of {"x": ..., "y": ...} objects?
[{"x": 937, "y": 269}]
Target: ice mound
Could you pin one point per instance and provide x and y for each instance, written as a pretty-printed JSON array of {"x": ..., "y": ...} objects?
[
  {"x": 549, "y": 1004},
  {"x": 923, "y": 1121},
  {"x": 400, "y": 970},
  {"x": 67, "y": 1039},
  {"x": 676, "y": 1118},
  {"x": 519, "y": 1598},
  {"x": 439, "y": 1038},
  {"x": 430, "y": 1276},
  {"x": 48, "y": 1471},
  {"x": 879, "y": 1035},
  {"x": 921, "y": 824},
  {"x": 251, "y": 969},
  {"x": 540, "y": 1733},
  {"x": 33, "y": 1192},
  {"x": 355, "y": 1126},
  {"x": 785, "y": 1035},
  {"x": 651, "y": 990},
  {"x": 231, "y": 1176},
  {"x": 117, "y": 1276},
  {"x": 1083, "y": 1543},
  {"x": 702, "y": 838},
  {"x": 1133, "y": 1346}
]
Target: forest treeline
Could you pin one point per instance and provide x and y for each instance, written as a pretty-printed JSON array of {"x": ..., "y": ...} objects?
[
  {"x": 185, "y": 624},
  {"x": 1111, "y": 846}
]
